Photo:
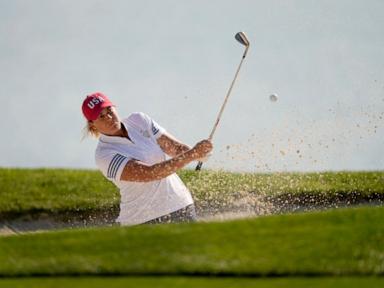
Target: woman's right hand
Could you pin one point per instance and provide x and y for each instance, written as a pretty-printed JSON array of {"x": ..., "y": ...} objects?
[{"x": 202, "y": 149}]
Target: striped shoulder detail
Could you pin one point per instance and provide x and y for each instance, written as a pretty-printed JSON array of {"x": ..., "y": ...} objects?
[{"x": 114, "y": 165}]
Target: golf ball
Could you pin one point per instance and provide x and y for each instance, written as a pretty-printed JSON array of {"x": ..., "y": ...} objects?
[{"x": 273, "y": 97}]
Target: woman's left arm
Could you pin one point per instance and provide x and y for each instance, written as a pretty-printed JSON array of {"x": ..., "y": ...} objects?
[{"x": 171, "y": 146}]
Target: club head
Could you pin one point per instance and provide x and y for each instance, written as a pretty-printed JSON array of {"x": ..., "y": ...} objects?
[{"x": 242, "y": 38}]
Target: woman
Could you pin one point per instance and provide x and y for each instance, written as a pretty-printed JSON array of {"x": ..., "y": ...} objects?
[{"x": 132, "y": 154}]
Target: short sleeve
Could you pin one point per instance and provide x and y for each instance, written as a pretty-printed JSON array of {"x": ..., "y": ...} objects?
[
  {"x": 146, "y": 123},
  {"x": 112, "y": 165}
]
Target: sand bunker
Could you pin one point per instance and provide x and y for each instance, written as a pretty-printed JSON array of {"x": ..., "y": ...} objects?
[{"x": 239, "y": 206}]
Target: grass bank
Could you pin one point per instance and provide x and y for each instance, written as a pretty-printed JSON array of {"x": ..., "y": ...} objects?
[
  {"x": 340, "y": 242},
  {"x": 187, "y": 282},
  {"x": 60, "y": 191},
  {"x": 56, "y": 192}
]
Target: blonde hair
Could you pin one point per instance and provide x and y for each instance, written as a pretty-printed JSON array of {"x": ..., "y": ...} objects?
[{"x": 90, "y": 130}]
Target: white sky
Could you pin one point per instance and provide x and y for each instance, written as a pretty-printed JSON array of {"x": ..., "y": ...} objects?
[{"x": 174, "y": 60}]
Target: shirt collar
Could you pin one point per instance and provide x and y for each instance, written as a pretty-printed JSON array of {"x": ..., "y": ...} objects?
[{"x": 115, "y": 139}]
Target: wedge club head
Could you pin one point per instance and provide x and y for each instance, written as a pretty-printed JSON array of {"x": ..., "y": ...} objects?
[{"x": 242, "y": 38}]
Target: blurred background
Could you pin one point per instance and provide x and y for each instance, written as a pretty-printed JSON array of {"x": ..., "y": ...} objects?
[{"x": 175, "y": 60}]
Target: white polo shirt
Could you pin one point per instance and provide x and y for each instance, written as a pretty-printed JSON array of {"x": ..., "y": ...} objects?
[{"x": 140, "y": 201}]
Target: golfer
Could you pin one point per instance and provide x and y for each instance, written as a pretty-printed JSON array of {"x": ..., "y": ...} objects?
[{"x": 132, "y": 153}]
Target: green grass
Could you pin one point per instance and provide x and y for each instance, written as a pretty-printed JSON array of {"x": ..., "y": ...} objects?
[
  {"x": 340, "y": 242},
  {"x": 54, "y": 190},
  {"x": 274, "y": 183},
  {"x": 333, "y": 248},
  {"x": 186, "y": 282},
  {"x": 24, "y": 191}
]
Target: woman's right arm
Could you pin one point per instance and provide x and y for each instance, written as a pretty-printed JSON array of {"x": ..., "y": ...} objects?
[{"x": 137, "y": 171}]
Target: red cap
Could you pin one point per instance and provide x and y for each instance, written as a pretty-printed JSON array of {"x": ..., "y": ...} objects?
[{"x": 94, "y": 104}]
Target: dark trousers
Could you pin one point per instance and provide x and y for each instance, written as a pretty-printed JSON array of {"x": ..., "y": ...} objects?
[{"x": 186, "y": 214}]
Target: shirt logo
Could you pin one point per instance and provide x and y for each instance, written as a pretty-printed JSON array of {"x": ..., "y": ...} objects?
[{"x": 146, "y": 134}]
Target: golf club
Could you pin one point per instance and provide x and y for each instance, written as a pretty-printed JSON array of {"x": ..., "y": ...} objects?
[{"x": 242, "y": 38}]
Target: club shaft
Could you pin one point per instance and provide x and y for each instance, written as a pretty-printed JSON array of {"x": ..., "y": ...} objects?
[
  {"x": 200, "y": 164},
  {"x": 225, "y": 101}
]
